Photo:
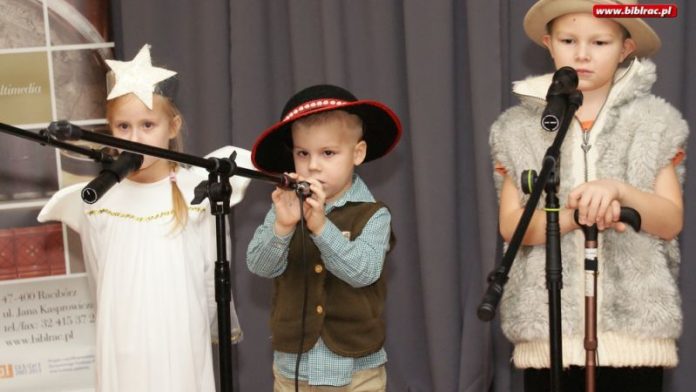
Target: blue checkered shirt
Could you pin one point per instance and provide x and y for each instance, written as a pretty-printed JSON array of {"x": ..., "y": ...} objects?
[{"x": 358, "y": 262}]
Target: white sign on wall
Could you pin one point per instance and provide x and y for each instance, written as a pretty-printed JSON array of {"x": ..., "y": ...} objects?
[{"x": 46, "y": 335}]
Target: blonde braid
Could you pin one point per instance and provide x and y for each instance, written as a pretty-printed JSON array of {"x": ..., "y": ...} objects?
[{"x": 178, "y": 203}]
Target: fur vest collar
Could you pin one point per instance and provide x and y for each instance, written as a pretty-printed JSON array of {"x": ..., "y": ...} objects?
[{"x": 630, "y": 82}]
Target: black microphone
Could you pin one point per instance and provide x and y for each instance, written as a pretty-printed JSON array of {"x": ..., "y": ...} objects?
[
  {"x": 565, "y": 82},
  {"x": 300, "y": 187},
  {"x": 112, "y": 173},
  {"x": 63, "y": 130}
]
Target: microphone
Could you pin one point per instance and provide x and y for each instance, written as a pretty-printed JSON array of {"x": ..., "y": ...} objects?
[
  {"x": 300, "y": 187},
  {"x": 112, "y": 173},
  {"x": 565, "y": 82},
  {"x": 64, "y": 130}
]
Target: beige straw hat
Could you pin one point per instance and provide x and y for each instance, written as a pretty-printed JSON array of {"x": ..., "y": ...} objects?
[{"x": 544, "y": 11}]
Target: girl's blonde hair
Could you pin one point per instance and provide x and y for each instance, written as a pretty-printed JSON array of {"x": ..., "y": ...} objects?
[{"x": 175, "y": 144}]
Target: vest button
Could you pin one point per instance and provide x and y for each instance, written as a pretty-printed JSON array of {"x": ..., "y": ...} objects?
[
  {"x": 318, "y": 268},
  {"x": 320, "y": 309}
]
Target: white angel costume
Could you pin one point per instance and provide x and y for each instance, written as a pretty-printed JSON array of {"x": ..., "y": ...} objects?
[{"x": 153, "y": 285}]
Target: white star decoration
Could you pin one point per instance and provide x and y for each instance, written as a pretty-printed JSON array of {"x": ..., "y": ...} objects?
[{"x": 137, "y": 76}]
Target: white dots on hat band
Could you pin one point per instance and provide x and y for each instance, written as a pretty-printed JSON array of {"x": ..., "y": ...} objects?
[{"x": 311, "y": 105}]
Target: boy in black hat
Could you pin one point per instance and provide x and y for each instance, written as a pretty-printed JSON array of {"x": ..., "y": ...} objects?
[{"x": 323, "y": 134}]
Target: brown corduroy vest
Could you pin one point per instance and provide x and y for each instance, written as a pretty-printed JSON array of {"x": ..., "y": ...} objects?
[{"x": 349, "y": 320}]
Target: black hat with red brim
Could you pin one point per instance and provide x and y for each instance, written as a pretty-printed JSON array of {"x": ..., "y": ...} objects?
[{"x": 272, "y": 150}]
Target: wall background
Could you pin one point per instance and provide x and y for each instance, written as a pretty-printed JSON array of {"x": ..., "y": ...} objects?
[{"x": 445, "y": 67}]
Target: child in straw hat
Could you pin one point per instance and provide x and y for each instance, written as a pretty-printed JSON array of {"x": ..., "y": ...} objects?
[{"x": 624, "y": 148}]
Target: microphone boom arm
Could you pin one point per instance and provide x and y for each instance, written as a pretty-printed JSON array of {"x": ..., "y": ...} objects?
[
  {"x": 63, "y": 130},
  {"x": 44, "y": 138}
]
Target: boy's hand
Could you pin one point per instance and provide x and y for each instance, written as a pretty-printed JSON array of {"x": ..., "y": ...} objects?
[
  {"x": 287, "y": 206},
  {"x": 314, "y": 207},
  {"x": 598, "y": 202}
]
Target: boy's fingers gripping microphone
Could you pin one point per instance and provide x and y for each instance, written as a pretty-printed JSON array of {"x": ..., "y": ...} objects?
[{"x": 300, "y": 187}]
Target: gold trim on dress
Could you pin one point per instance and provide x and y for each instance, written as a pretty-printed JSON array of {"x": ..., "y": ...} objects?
[{"x": 140, "y": 218}]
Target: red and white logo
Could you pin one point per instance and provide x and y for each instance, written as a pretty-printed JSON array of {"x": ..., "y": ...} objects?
[{"x": 634, "y": 10}]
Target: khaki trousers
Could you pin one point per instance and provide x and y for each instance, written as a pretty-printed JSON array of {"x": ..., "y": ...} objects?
[{"x": 368, "y": 380}]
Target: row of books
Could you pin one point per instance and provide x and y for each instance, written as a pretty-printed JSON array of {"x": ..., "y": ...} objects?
[{"x": 28, "y": 252}]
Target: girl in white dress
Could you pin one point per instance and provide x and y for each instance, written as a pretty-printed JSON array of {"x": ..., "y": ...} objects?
[{"x": 149, "y": 254}]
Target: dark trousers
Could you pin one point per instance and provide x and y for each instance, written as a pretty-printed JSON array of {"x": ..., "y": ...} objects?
[{"x": 609, "y": 379}]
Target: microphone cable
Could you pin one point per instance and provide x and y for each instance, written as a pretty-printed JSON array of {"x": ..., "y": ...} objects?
[{"x": 302, "y": 196}]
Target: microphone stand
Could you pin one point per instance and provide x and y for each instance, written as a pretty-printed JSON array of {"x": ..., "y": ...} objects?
[
  {"x": 547, "y": 180},
  {"x": 44, "y": 138},
  {"x": 217, "y": 189}
]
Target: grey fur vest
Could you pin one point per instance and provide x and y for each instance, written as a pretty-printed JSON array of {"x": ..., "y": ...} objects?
[{"x": 639, "y": 309}]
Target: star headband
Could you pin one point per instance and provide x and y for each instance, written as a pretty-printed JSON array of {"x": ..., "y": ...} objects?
[{"x": 137, "y": 76}]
